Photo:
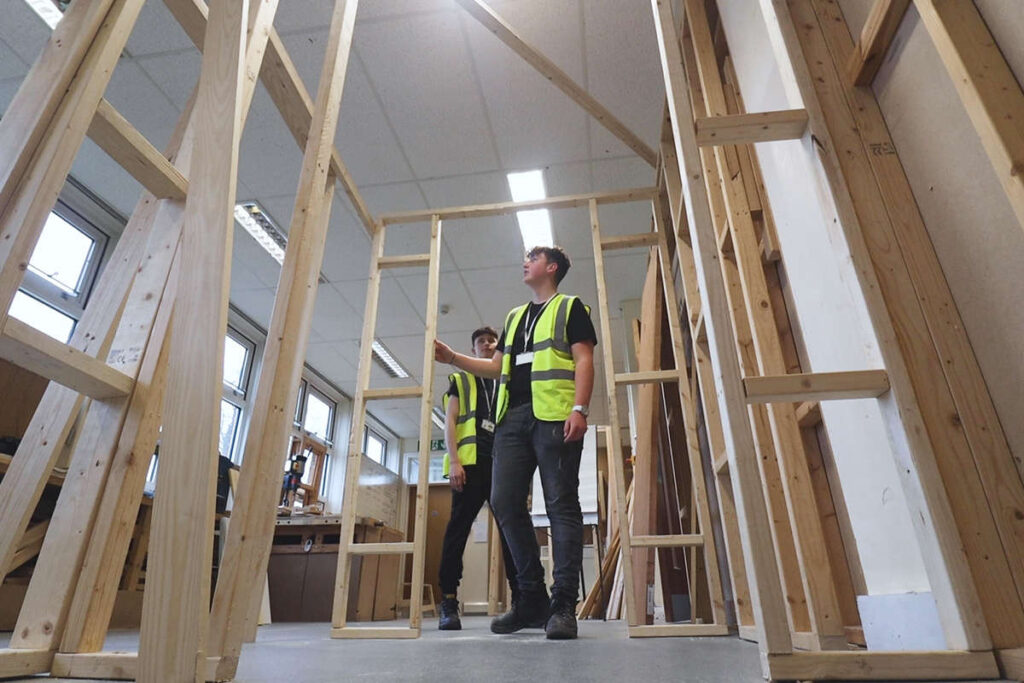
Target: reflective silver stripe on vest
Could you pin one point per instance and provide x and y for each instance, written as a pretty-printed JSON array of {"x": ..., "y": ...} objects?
[
  {"x": 467, "y": 441},
  {"x": 465, "y": 418},
  {"x": 543, "y": 375}
]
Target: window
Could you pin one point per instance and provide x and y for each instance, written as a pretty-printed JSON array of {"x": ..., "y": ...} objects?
[
  {"x": 60, "y": 274},
  {"x": 374, "y": 446},
  {"x": 238, "y": 359},
  {"x": 319, "y": 415}
]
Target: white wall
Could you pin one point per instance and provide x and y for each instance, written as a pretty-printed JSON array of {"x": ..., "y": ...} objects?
[{"x": 830, "y": 312}]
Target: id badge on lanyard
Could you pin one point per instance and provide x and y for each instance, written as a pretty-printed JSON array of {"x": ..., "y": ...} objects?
[
  {"x": 524, "y": 358},
  {"x": 487, "y": 426}
]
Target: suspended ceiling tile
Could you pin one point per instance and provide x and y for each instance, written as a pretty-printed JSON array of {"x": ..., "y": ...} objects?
[
  {"x": 334, "y": 318},
  {"x": 452, "y": 296},
  {"x": 143, "y": 104},
  {"x": 533, "y": 121},
  {"x": 255, "y": 303},
  {"x": 103, "y": 176},
  {"x": 23, "y": 31},
  {"x": 419, "y": 67},
  {"x": 11, "y": 65},
  {"x": 269, "y": 162},
  {"x": 157, "y": 31},
  {"x": 347, "y": 251},
  {"x": 623, "y": 71},
  {"x": 364, "y": 138},
  {"x": 246, "y": 250},
  {"x": 395, "y": 315},
  {"x": 176, "y": 74}
]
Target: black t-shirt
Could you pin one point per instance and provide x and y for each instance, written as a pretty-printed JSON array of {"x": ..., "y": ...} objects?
[
  {"x": 579, "y": 328},
  {"x": 486, "y": 397}
]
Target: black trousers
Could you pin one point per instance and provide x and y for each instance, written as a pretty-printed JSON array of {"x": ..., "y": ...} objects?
[
  {"x": 466, "y": 506},
  {"x": 521, "y": 445}
]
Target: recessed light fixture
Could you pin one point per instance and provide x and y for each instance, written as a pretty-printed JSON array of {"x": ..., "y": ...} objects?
[
  {"x": 47, "y": 10},
  {"x": 387, "y": 361},
  {"x": 534, "y": 224},
  {"x": 258, "y": 223},
  {"x": 437, "y": 418}
]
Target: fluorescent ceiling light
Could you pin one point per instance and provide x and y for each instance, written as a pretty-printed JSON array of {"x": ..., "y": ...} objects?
[
  {"x": 250, "y": 215},
  {"x": 258, "y": 223},
  {"x": 437, "y": 418},
  {"x": 527, "y": 185},
  {"x": 387, "y": 361},
  {"x": 535, "y": 224},
  {"x": 47, "y": 10}
]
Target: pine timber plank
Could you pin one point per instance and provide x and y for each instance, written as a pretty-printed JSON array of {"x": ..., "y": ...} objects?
[
  {"x": 766, "y": 591},
  {"x": 247, "y": 549},
  {"x": 876, "y": 36},
  {"x": 987, "y": 87},
  {"x": 808, "y": 535},
  {"x": 118, "y": 666},
  {"x": 645, "y": 451},
  {"x": 643, "y": 239},
  {"x": 571, "y": 201},
  {"x": 24, "y": 662},
  {"x": 985, "y": 476},
  {"x": 616, "y": 467},
  {"x": 27, "y": 347},
  {"x": 426, "y": 405},
  {"x": 374, "y": 632},
  {"x": 816, "y": 386},
  {"x": 782, "y": 537},
  {"x": 135, "y": 154},
  {"x": 677, "y": 630},
  {"x": 22, "y": 219},
  {"x": 494, "y": 23},
  {"x": 742, "y": 129},
  {"x": 874, "y": 666},
  {"x": 889, "y": 309},
  {"x": 393, "y": 392},
  {"x": 339, "y": 610},
  {"x": 175, "y": 613},
  {"x": 27, "y": 118},
  {"x": 286, "y": 89}
]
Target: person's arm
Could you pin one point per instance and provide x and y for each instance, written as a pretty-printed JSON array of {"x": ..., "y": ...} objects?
[
  {"x": 489, "y": 368},
  {"x": 583, "y": 354},
  {"x": 456, "y": 474}
]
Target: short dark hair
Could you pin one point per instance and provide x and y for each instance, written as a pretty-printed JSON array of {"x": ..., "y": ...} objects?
[
  {"x": 554, "y": 255},
  {"x": 486, "y": 329}
]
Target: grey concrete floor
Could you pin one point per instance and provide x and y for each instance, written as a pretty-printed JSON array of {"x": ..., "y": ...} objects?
[{"x": 305, "y": 653}]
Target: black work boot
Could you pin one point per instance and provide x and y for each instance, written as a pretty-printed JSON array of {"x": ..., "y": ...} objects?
[
  {"x": 529, "y": 610},
  {"x": 449, "y": 620},
  {"x": 562, "y": 622}
]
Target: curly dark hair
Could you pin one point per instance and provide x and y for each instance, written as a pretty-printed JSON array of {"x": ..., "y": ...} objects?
[{"x": 554, "y": 255}]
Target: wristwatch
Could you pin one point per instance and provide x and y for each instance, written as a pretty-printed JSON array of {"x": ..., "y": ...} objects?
[{"x": 582, "y": 410}]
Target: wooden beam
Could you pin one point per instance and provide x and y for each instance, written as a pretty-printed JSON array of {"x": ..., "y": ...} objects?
[
  {"x": 393, "y": 548},
  {"x": 679, "y": 630},
  {"x": 816, "y": 386},
  {"x": 642, "y": 239},
  {"x": 508, "y": 35},
  {"x": 176, "y": 608},
  {"x": 743, "y": 129},
  {"x": 393, "y": 392},
  {"x": 29, "y": 546},
  {"x": 646, "y": 377},
  {"x": 374, "y": 632},
  {"x": 28, "y": 117},
  {"x": 987, "y": 86},
  {"x": 247, "y": 551},
  {"x": 571, "y": 201},
  {"x": 14, "y": 663},
  {"x": 912, "y": 410},
  {"x": 405, "y": 261},
  {"x": 286, "y": 89},
  {"x": 754, "y": 525},
  {"x": 808, "y": 414},
  {"x": 676, "y": 541},
  {"x": 37, "y": 351},
  {"x": 873, "y": 666},
  {"x": 116, "y": 666},
  {"x": 137, "y": 155},
  {"x": 876, "y": 36}
]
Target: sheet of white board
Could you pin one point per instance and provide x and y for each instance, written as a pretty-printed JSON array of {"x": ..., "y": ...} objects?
[{"x": 588, "y": 485}]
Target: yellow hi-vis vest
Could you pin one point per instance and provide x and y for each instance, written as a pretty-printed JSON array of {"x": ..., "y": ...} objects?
[
  {"x": 553, "y": 374},
  {"x": 465, "y": 422}
]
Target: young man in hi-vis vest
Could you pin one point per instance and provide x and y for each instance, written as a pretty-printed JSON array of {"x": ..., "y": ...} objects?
[
  {"x": 469, "y": 433},
  {"x": 545, "y": 360}
]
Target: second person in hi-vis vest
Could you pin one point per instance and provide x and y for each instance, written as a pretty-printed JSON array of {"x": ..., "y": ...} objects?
[
  {"x": 545, "y": 362},
  {"x": 469, "y": 406}
]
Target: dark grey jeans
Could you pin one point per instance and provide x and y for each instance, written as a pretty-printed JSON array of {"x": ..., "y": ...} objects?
[{"x": 522, "y": 444}]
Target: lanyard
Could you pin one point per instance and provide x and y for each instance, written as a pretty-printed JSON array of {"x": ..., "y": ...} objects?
[
  {"x": 529, "y": 328},
  {"x": 489, "y": 395}
]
